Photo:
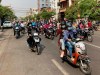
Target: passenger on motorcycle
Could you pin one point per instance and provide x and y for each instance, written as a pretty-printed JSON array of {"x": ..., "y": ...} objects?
[
  {"x": 68, "y": 36},
  {"x": 61, "y": 42}
]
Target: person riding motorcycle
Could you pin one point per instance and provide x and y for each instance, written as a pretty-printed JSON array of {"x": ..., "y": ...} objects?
[
  {"x": 68, "y": 36},
  {"x": 22, "y": 26},
  {"x": 29, "y": 28},
  {"x": 30, "y": 42},
  {"x": 17, "y": 25}
]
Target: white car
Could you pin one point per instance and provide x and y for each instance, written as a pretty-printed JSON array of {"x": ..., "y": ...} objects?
[{"x": 7, "y": 24}]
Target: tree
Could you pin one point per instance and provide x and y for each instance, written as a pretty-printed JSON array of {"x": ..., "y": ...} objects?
[
  {"x": 72, "y": 11},
  {"x": 6, "y": 13},
  {"x": 82, "y": 7},
  {"x": 95, "y": 14},
  {"x": 86, "y": 6},
  {"x": 0, "y": 1},
  {"x": 46, "y": 15}
]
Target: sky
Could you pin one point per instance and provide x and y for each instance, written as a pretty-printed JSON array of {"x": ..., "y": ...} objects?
[{"x": 20, "y": 7}]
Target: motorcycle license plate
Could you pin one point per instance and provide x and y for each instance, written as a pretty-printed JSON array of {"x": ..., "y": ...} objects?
[
  {"x": 37, "y": 40},
  {"x": 16, "y": 30}
]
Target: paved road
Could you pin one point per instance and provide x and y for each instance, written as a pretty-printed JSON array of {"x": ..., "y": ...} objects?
[{"x": 17, "y": 59}]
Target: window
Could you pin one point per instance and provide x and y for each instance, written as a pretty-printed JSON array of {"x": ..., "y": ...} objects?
[{"x": 42, "y": 5}]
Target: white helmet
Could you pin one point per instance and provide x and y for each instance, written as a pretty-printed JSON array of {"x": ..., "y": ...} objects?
[{"x": 35, "y": 34}]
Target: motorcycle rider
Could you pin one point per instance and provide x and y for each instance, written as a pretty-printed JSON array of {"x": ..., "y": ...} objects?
[
  {"x": 17, "y": 24},
  {"x": 30, "y": 42},
  {"x": 68, "y": 36},
  {"x": 34, "y": 25},
  {"x": 22, "y": 26}
]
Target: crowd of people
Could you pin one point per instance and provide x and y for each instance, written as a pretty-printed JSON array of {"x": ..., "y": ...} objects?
[{"x": 66, "y": 29}]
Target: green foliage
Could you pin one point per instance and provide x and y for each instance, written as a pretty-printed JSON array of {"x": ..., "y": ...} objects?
[
  {"x": 82, "y": 7},
  {"x": 72, "y": 11},
  {"x": 29, "y": 17},
  {"x": 0, "y": 1},
  {"x": 6, "y": 13},
  {"x": 46, "y": 15},
  {"x": 86, "y": 6},
  {"x": 95, "y": 14}
]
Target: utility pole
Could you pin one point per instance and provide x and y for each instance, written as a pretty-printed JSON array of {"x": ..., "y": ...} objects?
[{"x": 38, "y": 6}]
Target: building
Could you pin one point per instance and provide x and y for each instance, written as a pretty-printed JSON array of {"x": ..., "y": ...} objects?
[
  {"x": 44, "y": 3},
  {"x": 63, "y": 5},
  {"x": 54, "y": 6}
]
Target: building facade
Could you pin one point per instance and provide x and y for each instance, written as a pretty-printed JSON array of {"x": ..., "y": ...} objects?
[
  {"x": 63, "y": 5},
  {"x": 55, "y": 7},
  {"x": 45, "y": 3}
]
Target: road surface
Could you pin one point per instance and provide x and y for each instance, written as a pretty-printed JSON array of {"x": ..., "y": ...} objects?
[{"x": 17, "y": 59}]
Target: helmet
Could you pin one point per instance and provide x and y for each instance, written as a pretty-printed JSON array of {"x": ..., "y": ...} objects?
[
  {"x": 63, "y": 26},
  {"x": 70, "y": 28},
  {"x": 35, "y": 34}
]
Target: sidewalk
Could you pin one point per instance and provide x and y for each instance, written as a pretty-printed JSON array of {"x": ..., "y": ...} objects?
[{"x": 1, "y": 34}]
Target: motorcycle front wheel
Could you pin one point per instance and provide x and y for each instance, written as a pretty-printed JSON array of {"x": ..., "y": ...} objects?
[
  {"x": 85, "y": 68},
  {"x": 16, "y": 36},
  {"x": 38, "y": 49}
]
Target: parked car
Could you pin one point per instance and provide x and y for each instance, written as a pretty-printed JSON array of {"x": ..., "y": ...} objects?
[{"x": 7, "y": 24}]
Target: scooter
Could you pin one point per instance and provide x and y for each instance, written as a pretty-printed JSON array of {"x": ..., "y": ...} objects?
[{"x": 80, "y": 57}]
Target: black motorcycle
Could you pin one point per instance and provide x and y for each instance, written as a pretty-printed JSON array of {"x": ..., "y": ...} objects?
[
  {"x": 86, "y": 35},
  {"x": 55, "y": 30},
  {"x": 17, "y": 32},
  {"x": 37, "y": 43},
  {"x": 49, "y": 33}
]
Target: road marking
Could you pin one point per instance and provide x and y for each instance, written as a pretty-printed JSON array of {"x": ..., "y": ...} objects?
[
  {"x": 59, "y": 67},
  {"x": 92, "y": 45}
]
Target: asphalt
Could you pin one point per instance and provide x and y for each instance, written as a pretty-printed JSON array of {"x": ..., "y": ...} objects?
[{"x": 17, "y": 59}]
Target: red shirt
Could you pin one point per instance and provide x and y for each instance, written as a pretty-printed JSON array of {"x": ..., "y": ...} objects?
[
  {"x": 59, "y": 32},
  {"x": 89, "y": 24}
]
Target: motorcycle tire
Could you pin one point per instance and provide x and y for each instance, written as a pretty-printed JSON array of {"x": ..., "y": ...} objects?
[
  {"x": 52, "y": 37},
  {"x": 90, "y": 38},
  {"x": 38, "y": 50},
  {"x": 17, "y": 36},
  {"x": 87, "y": 69},
  {"x": 91, "y": 32}
]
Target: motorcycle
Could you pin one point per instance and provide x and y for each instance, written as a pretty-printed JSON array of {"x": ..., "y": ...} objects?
[
  {"x": 17, "y": 32},
  {"x": 86, "y": 35},
  {"x": 91, "y": 31},
  {"x": 95, "y": 27},
  {"x": 55, "y": 30},
  {"x": 49, "y": 33},
  {"x": 23, "y": 30},
  {"x": 40, "y": 29},
  {"x": 80, "y": 56},
  {"x": 37, "y": 43}
]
